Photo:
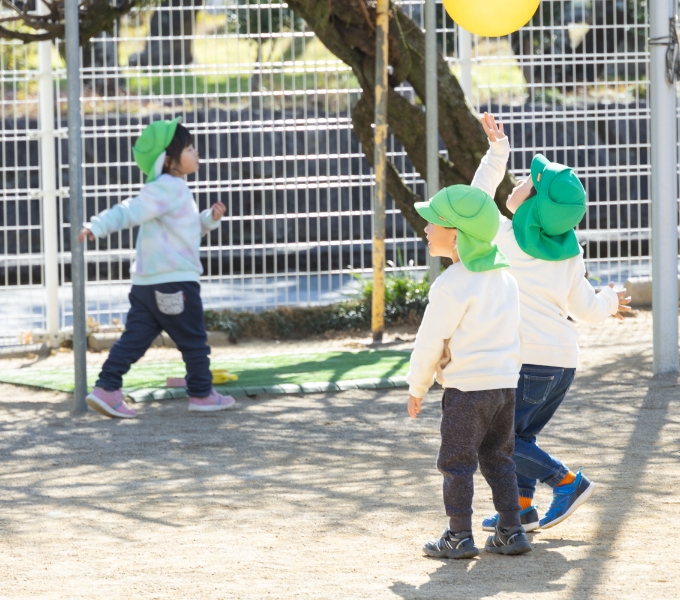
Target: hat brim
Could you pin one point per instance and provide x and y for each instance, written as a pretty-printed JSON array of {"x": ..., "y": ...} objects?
[
  {"x": 432, "y": 216},
  {"x": 538, "y": 165}
]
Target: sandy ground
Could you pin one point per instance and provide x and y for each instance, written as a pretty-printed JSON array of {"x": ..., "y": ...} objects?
[{"x": 329, "y": 495}]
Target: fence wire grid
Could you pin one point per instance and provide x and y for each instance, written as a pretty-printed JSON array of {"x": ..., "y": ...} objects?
[{"x": 270, "y": 108}]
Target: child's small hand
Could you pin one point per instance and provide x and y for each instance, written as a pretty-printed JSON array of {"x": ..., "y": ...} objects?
[
  {"x": 623, "y": 303},
  {"x": 85, "y": 233},
  {"x": 414, "y": 406},
  {"x": 493, "y": 132},
  {"x": 218, "y": 210}
]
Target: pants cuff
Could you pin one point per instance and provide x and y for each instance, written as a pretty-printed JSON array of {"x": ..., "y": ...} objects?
[
  {"x": 524, "y": 493},
  {"x": 554, "y": 481}
]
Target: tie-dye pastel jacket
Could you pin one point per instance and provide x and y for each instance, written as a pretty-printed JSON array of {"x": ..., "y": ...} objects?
[{"x": 170, "y": 230}]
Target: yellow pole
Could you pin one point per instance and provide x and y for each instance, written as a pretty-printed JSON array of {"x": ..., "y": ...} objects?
[{"x": 380, "y": 158}]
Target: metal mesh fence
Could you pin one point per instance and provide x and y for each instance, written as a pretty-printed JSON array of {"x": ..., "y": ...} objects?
[{"x": 270, "y": 108}]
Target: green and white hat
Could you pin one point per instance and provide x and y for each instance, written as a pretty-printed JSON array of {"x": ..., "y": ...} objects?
[
  {"x": 544, "y": 224},
  {"x": 475, "y": 215},
  {"x": 149, "y": 149}
]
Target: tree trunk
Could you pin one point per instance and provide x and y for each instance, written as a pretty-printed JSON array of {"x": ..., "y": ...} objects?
[{"x": 347, "y": 29}]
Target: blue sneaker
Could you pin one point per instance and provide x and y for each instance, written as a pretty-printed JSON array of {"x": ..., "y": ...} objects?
[
  {"x": 566, "y": 499},
  {"x": 528, "y": 517}
]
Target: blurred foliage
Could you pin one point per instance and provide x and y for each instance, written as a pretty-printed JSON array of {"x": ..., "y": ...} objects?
[{"x": 405, "y": 303}]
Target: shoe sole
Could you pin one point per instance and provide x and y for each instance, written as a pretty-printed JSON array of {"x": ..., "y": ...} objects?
[
  {"x": 214, "y": 408},
  {"x": 582, "y": 499},
  {"x": 453, "y": 553},
  {"x": 104, "y": 409},
  {"x": 528, "y": 527},
  {"x": 512, "y": 550}
]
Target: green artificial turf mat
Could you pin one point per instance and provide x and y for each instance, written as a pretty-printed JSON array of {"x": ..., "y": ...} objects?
[{"x": 261, "y": 371}]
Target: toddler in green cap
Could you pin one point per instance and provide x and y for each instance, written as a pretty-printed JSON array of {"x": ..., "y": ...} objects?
[
  {"x": 469, "y": 337},
  {"x": 166, "y": 293},
  {"x": 547, "y": 262}
]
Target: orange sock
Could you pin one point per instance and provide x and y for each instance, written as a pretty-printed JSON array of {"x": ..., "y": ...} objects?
[
  {"x": 525, "y": 502},
  {"x": 570, "y": 477}
]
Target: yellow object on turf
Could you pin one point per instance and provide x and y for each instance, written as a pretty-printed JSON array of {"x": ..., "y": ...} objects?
[
  {"x": 223, "y": 376},
  {"x": 491, "y": 18}
]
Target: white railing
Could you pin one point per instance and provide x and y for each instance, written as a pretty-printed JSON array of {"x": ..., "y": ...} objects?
[{"x": 271, "y": 111}]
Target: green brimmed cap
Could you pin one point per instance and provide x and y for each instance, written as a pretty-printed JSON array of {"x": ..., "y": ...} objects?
[
  {"x": 544, "y": 224},
  {"x": 474, "y": 213},
  {"x": 149, "y": 150}
]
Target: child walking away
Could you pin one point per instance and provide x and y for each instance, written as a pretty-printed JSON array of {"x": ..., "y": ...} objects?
[
  {"x": 165, "y": 293},
  {"x": 469, "y": 337},
  {"x": 547, "y": 262}
]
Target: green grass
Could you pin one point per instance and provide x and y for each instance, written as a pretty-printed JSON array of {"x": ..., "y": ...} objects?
[{"x": 256, "y": 371}]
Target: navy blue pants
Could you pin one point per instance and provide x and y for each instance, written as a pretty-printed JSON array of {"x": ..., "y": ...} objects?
[
  {"x": 539, "y": 393},
  {"x": 175, "y": 308}
]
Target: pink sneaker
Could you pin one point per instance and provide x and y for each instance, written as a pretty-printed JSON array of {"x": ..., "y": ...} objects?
[
  {"x": 109, "y": 404},
  {"x": 211, "y": 403},
  {"x": 176, "y": 382}
]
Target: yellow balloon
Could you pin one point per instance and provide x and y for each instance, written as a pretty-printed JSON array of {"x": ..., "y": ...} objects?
[{"x": 491, "y": 18}]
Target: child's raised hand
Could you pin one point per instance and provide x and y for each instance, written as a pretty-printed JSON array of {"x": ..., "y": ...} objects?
[
  {"x": 493, "y": 132},
  {"x": 218, "y": 210},
  {"x": 85, "y": 233},
  {"x": 623, "y": 303},
  {"x": 414, "y": 406}
]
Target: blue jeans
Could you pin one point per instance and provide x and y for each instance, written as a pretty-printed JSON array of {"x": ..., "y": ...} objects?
[
  {"x": 539, "y": 393},
  {"x": 175, "y": 308}
]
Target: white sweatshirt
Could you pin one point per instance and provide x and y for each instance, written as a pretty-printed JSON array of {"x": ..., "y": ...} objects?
[
  {"x": 169, "y": 240},
  {"x": 549, "y": 291},
  {"x": 473, "y": 318}
]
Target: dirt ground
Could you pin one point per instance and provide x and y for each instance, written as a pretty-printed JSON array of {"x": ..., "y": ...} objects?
[{"x": 329, "y": 495}]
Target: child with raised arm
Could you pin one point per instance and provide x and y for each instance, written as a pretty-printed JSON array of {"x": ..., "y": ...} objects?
[
  {"x": 469, "y": 336},
  {"x": 547, "y": 262},
  {"x": 166, "y": 294}
]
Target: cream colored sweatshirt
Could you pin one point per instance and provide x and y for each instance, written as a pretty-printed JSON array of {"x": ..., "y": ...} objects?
[
  {"x": 549, "y": 291},
  {"x": 473, "y": 318}
]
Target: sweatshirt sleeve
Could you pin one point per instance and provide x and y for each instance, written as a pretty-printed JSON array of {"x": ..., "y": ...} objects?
[
  {"x": 441, "y": 319},
  {"x": 207, "y": 223},
  {"x": 491, "y": 170},
  {"x": 152, "y": 202},
  {"x": 586, "y": 306}
]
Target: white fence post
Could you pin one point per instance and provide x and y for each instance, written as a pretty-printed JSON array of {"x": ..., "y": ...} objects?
[
  {"x": 48, "y": 179},
  {"x": 465, "y": 56},
  {"x": 664, "y": 195}
]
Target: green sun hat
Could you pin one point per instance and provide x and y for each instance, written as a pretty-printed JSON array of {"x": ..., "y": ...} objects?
[
  {"x": 544, "y": 224},
  {"x": 474, "y": 213},
  {"x": 149, "y": 149}
]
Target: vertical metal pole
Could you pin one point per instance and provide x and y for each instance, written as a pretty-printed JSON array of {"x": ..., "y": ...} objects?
[
  {"x": 48, "y": 170},
  {"x": 465, "y": 55},
  {"x": 75, "y": 175},
  {"x": 664, "y": 197},
  {"x": 432, "y": 114},
  {"x": 380, "y": 160}
]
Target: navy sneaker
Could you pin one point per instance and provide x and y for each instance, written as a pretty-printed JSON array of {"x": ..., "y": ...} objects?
[
  {"x": 509, "y": 541},
  {"x": 452, "y": 545},
  {"x": 528, "y": 517},
  {"x": 566, "y": 499}
]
